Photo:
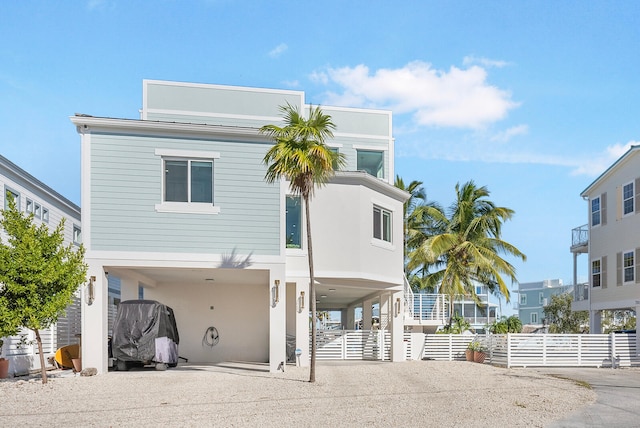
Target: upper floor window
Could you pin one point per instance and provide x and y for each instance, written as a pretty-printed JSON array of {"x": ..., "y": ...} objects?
[
  {"x": 187, "y": 182},
  {"x": 11, "y": 194},
  {"x": 541, "y": 298},
  {"x": 534, "y": 318},
  {"x": 371, "y": 161},
  {"x": 29, "y": 205},
  {"x": 37, "y": 210},
  {"x": 381, "y": 224},
  {"x": 523, "y": 299},
  {"x": 294, "y": 221},
  {"x": 596, "y": 270},
  {"x": 595, "y": 211},
  {"x": 628, "y": 266},
  {"x": 45, "y": 215},
  {"x": 77, "y": 234},
  {"x": 627, "y": 199}
]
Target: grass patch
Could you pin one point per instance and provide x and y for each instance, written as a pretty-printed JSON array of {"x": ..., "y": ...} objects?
[{"x": 581, "y": 383}]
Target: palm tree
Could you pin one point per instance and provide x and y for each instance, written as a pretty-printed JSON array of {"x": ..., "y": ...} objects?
[
  {"x": 300, "y": 156},
  {"x": 418, "y": 225},
  {"x": 468, "y": 250}
]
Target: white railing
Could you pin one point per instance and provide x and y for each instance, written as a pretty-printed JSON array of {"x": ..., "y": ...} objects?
[
  {"x": 580, "y": 292},
  {"x": 429, "y": 307},
  {"x": 353, "y": 345},
  {"x": 536, "y": 350},
  {"x": 408, "y": 298}
]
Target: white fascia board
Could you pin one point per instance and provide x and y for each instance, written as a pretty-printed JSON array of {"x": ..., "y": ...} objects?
[
  {"x": 391, "y": 282},
  {"x": 87, "y": 124},
  {"x": 192, "y": 260},
  {"x": 364, "y": 179},
  {"x": 145, "y": 82}
]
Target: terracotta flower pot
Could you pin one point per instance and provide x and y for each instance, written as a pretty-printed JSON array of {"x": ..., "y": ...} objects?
[
  {"x": 479, "y": 356},
  {"x": 469, "y": 354},
  {"x": 77, "y": 365},
  {"x": 4, "y": 368}
]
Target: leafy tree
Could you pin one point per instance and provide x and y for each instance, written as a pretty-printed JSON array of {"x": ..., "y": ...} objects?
[
  {"x": 457, "y": 325},
  {"x": 468, "y": 249},
  {"x": 38, "y": 275},
  {"x": 560, "y": 317},
  {"x": 301, "y": 156},
  {"x": 506, "y": 325},
  {"x": 618, "y": 320}
]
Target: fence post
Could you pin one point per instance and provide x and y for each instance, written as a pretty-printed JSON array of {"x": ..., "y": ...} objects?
[
  {"x": 508, "y": 350},
  {"x": 612, "y": 349}
]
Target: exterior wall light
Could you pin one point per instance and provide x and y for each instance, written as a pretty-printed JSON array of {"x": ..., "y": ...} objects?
[
  {"x": 397, "y": 306},
  {"x": 276, "y": 291},
  {"x": 301, "y": 301},
  {"x": 91, "y": 290}
]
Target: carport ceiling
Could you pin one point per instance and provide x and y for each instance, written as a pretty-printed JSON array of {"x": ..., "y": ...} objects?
[{"x": 196, "y": 276}]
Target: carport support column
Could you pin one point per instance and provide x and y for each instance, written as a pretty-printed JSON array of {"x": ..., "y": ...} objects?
[
  {"x": 277, "y": 319},
  {"x": 95, "y": 320},
  {"x": 595, "y": 322},
  {"x": 367, "y": 314},
  {"x": 303, "y": 330},
  {"x": 128, "y": 289},
  {"x": 637, "y": 330},
  {"x": 351, "y": 318},
  {"x": 397, "y": 327}
]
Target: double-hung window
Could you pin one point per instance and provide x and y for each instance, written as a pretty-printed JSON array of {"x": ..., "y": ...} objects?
[
  {"x": 523, "y": 299},
  {"x": 627, "y": 199},
  {"x": 77, "y": 234},
  {"x": 534, "y": 318},
  {"x": 381, "y": 224},
  {"x": 628, "y": 266},
  {"x": 596, "y": 272},
  {"x": 187, "y": 181},
  {"x": 595, "y": 211}
]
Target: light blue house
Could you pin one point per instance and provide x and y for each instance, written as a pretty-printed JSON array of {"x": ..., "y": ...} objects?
[
  {"x": 175, "y": 206},
  {"x": 534, "y": 296}
]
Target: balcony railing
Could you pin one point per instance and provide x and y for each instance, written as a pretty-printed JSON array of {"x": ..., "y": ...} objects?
[
  {"x": 580, "y": 236},
  {"x": 581, "y": 292}
]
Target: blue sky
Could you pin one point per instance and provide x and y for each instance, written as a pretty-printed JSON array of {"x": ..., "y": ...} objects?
[{"x": 531, "y": 98}]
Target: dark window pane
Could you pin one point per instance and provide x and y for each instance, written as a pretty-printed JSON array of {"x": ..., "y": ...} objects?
[
  {"x": 175, "y": 183},
  {"x": 386, "y": 226},
  {"x": 294, "y": 220},
  {"x": 201, "y": 182},
  {"x": 371, "y": 162},
  {"x": 377, "y": 232}
]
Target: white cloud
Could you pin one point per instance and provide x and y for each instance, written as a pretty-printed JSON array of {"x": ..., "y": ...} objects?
[
  {"x": 455, "y": 98},
  {"x": 508, "y": 134},
  {"x": 597, "y": 164},
  {"x": 278, "y": 50},
  {"x": 485, "y": 62}
]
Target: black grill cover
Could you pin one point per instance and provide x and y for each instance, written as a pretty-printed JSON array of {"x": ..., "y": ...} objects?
[{"x": 145, "y": 331}]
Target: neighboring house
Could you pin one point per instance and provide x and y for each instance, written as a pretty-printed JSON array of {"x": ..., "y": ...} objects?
[
  {"x": 613, "y": 241},
  {"x": 429, "y": 312},
  {"x": 175, "y": 206},
  {"x": 48, "y": 207},
  {"x": 534, "y": 296}
]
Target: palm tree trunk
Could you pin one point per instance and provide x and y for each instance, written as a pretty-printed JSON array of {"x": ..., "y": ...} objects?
[
  {"x": 42, "y": 367},
  {"x": 312, "y": 293}
]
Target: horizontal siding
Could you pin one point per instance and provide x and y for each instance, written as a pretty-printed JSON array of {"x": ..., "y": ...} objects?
[
  {"x": 215, "y": 99},
  {"x": 360, "y": 122},
  {"x": 126, "y": 184}
]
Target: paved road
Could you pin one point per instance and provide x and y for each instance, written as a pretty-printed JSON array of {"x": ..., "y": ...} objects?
[{"x": 618, "y": 401}]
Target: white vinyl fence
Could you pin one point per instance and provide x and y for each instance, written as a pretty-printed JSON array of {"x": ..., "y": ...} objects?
[
  {"x": 353, "y": 345},
  {"x": 531, "y": 350}
]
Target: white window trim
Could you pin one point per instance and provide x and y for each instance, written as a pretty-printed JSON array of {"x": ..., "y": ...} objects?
[
  {"x": 523, "y": 299},
  {"x": 633, "y": 198},
  {"x": 380, "y": 242},
  {"x": 17, "y": 199},
  {"x": 185, "y": 207},
  {"x": 532, "y": 316},
  {"x": 633, "y": 266}
]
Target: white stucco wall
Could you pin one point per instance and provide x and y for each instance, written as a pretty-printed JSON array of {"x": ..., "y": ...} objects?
[{"x": 240, "y": 314}]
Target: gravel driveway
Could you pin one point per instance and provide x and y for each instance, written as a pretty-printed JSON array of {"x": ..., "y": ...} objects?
[{"x": 346, "y": 394}]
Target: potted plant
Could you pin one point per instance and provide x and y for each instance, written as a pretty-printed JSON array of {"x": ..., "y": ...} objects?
[
  {"x": 471, "y": 348},
  {"x": 480, "y": 353}
]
